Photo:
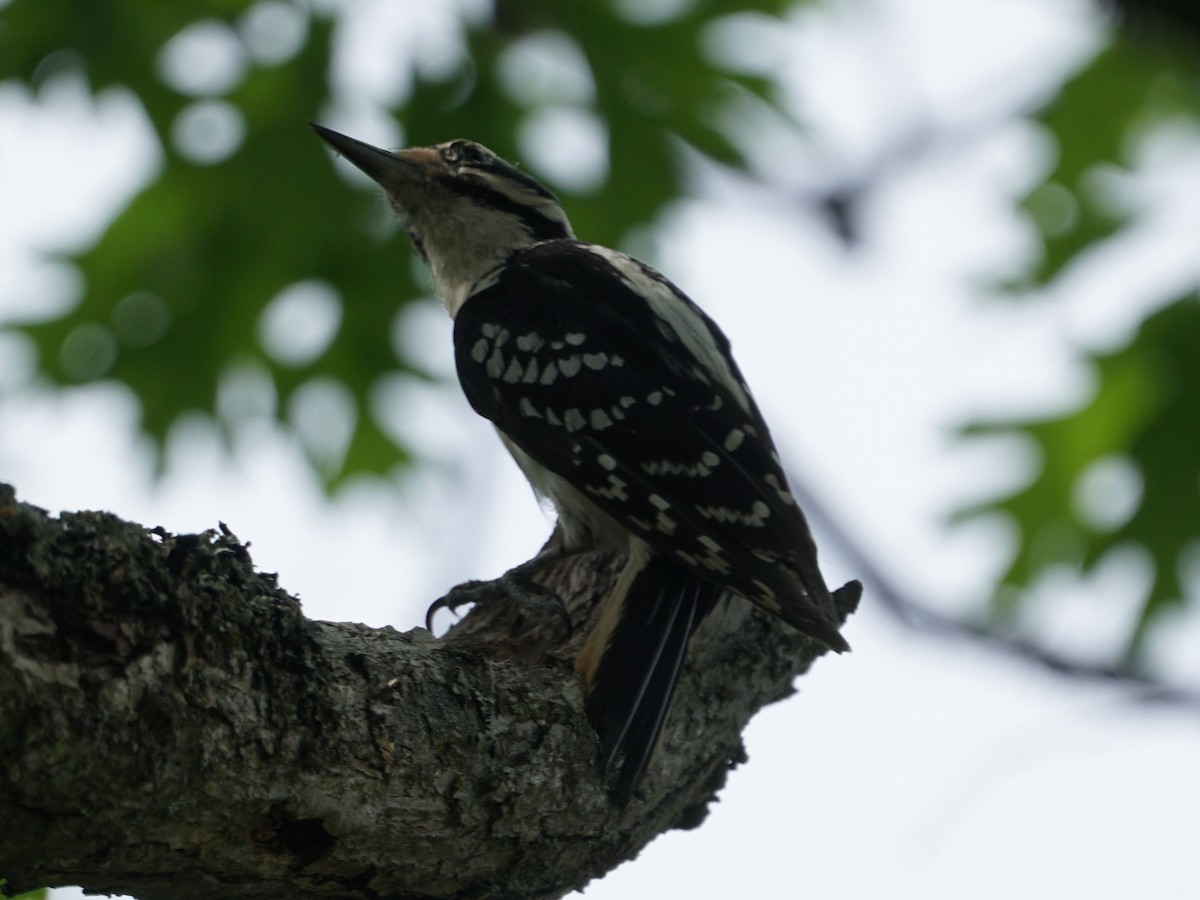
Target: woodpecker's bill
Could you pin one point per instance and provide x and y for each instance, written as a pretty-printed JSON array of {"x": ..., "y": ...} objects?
[{"x": 621, "y": 403}]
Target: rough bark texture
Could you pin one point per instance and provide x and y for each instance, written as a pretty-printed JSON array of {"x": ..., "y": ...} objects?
[{"x": 171, "y": 726}]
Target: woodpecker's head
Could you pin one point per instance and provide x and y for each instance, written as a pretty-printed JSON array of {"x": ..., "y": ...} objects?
[{"x": 466, "y": 210}]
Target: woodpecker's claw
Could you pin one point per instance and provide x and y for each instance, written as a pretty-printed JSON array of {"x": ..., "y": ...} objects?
[
  {"x": 459, "y": 595},
  {"x": 517, "y": 585}
]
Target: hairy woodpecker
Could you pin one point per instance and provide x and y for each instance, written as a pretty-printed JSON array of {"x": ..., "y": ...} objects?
[{"x": 619, "y": 399}]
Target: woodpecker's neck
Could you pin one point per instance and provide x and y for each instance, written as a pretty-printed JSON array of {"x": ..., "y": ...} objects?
[
  {"x": 465, "y": 246},
  {"x": 467, "y": 232},
  {"x": 454, "y": 283}
]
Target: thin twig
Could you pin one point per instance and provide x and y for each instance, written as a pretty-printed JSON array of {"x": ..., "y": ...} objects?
[{"x": 1147, "y": 688}]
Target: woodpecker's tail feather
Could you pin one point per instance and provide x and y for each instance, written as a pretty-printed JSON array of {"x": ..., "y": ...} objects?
[{"x": 637, "y": 671}]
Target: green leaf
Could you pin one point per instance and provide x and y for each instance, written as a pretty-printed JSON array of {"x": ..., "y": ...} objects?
[
  {"x": 1094, "y": 120},
  {"x": 1144, "y": 411},
  {"x": 201, "y": 252}
]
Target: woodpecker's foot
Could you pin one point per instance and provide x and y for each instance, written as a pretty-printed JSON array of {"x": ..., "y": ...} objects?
[{"x": 517, "y": 585}]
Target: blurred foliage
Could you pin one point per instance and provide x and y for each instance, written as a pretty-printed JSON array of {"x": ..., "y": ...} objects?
[
  {"x": 1123, "y": 471},
  {"x": 1135, "y": 449},
  {"x": 176, "y": 289},
  {"x": 1095, "y": 120},
  {"x": 40, "y": 894}
]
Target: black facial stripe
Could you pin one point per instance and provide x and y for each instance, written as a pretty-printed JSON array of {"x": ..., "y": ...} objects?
[
  {"x": 541, "y": 227},
  {"x": 512, "y": 173}
]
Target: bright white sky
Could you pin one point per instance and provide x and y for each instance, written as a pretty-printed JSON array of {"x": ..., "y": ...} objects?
[{"x": 912, "y": 768}]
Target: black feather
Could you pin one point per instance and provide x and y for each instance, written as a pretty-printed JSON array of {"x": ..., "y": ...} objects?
[
  {"x": 640, "y": 668},
  {"x": 560, "y": 289}
]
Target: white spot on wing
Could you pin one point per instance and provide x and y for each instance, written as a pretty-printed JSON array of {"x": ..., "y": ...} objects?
[
  {"x": 600, "y": 419},
  {"x": 660, "y": 502},
  {"x": 614, "y": 491},
  {"x": 574, "y": 419},
  {"x": 495, "y": 364},
  {"x": 513, "y": 373},
  {"x": 755, "y": 518},
  {"x": 606, "y": 461},
  {"x": 569, "y": 366},
  {"x": 595, "y": 361},
  {"x": 576, "y": 338},
  {"x": 734, "y": 439},
  {"x": 479, "y": 351},
  {"x": 654, "y": 398},
  {"x": 549, "y": 373},
  {"x": 528, "y": 409},
  {"x": 531, "y": 371},
  {"x": 529, "y": 342}
]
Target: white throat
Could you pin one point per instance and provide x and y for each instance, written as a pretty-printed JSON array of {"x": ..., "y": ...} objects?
[{"x": 466, "y": 249}]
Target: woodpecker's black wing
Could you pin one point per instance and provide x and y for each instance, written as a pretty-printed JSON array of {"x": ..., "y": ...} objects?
[{"x": 606, "y": 374}]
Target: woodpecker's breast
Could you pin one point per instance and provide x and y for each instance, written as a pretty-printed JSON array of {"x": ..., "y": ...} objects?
[{"x": 584, "y": 525}]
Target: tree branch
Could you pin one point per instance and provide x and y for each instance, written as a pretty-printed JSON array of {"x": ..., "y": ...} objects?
[{"x": 171, "y": 726}]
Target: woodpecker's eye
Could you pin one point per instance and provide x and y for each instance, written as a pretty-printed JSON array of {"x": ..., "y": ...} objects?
[{"x": 463, "y": 152}]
